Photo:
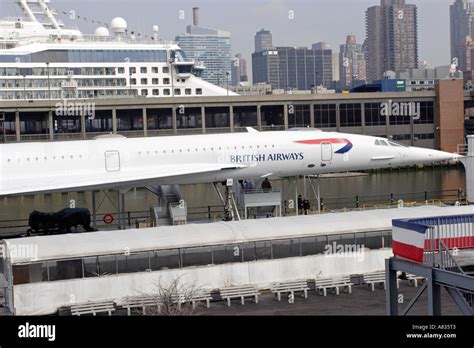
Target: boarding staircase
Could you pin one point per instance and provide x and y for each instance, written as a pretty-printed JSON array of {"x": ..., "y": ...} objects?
[
  {"x": 445, "y": 260},
  {"x": 172, "y": 209}
]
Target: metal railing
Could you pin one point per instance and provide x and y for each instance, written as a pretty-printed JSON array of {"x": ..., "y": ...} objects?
[
  {"x": 462, "y": 149},
  {"x": 446, "y": 259},
  {"x": 448, "y": 263},
  {"x": 258, "y": 191},
  {"x": 387, "y": 201}
]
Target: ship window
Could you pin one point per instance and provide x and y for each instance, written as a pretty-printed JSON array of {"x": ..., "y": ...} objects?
[
  {"x": 166, "y": 81},
  {"x": 143, "y": 70},
  {"x": 166, "y": 91},
  {"x": 133, "y": 81},
  {"x": 177, "y": 91},
  {"x": 121, "y": 70},
  {"x": 156, "y": 92},
  {"x": 144, "y": 92},
  {"x": 144, "y": 81},
  {"x": 154, "y": 70},
  {"x": 198, "y": 91},
  {"x": 188, "y": 91},
  {"x": 155, "y": 81},
  {"x": 133, "y": 70},
  {"x": 166, "y": 70}
]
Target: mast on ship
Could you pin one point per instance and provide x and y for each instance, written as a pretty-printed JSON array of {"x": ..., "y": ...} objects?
[{"x": 38, "y": 11}]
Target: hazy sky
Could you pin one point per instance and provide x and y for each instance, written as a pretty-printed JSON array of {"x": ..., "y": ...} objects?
[{"x": 314, "y": 20}]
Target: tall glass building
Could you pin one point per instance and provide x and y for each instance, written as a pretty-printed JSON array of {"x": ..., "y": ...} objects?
[
  {"x": 462, "y": 33},
  {"x": 392, "y": 38},
  {"x": 211, "y": 47},
  {"x": 293, "y": 68}
]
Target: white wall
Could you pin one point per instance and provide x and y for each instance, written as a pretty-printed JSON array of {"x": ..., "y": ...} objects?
[{"x": 46, "y": 298}]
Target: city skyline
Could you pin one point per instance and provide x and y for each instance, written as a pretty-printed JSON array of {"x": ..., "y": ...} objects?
[{"x": 310, "y": 21}]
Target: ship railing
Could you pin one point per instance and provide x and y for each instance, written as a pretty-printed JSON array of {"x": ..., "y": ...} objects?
[{"x": 125, "y": 39}]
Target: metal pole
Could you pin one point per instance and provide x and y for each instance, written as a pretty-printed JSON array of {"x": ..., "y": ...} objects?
[
  {"x": 319, "y": 195},
  {"x": 123, "y": 212},
  {"x": 304, "y": 186},
  {"x": 119, "y": 210},
  {"x": 49, "y": 82},
  {"x": 391, "y": 292},
  {"x": 227, "y": 80},
  {"x": 172, "y": 77},
  {"x": 94, "y": 212},
  {"x": 296, "y": 195},
  {"x": 2, "y": 118},
  {"x": 24, "y": 87}
]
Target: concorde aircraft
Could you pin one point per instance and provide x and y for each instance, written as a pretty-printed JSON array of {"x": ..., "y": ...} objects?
[{"x": 111, "y": 161}]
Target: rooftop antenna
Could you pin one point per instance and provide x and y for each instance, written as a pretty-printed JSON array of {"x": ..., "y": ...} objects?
[
  {"x": 196, "y": 16},
  {"x": 156, "y": 30}
]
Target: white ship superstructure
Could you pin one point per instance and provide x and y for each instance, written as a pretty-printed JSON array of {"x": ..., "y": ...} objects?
[{"x": 41, "y": 59}]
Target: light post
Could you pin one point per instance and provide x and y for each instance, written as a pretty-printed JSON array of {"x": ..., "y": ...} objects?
[
  {"x": 24, "y": 86},
  {"x": 227, "y": 75},
  {"x": 172, "y": 77},
  {"x": 2, "y": 119},
  {"x": 130, "y": 82},
  {"x": 49, "y": 81}
]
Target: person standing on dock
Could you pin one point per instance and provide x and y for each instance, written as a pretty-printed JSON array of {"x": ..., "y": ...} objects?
[
  {"x": 266, "y": 185},
  {"x": 306, "y": 206},
  {"x": 300, "y": 205}
]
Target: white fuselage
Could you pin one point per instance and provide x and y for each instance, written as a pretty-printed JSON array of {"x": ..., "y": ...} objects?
[{"x": 122, "y": 162}]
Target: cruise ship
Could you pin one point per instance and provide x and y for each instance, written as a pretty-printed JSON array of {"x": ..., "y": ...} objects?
[{"x": 42, "y": 59}]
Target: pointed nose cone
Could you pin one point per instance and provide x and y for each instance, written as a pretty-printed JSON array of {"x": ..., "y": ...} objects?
[{"x": 424, "y": 156}]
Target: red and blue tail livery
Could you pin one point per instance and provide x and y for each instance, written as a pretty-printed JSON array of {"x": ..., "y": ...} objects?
[{"x": 333, "y": 141}]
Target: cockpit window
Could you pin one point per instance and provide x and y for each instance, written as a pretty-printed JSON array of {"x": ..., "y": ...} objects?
[
  {"x": 393, "y": 143},
  {"x": 377, "y": 142}
]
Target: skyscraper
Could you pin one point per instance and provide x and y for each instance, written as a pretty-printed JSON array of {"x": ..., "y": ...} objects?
[
  {"x": 462, "y": 32},
  {"x": 335, "y": 58},
  {"x": 291, "y": 67},
  {"x": 335, "y": 67},
  {"x": 321, "y": 46},
  {"x": 352, "y": 65},
  {"x": 210, "y": 46},
  {"x": 239, "y": 70},
  {"x": 263, "y": 40},
  {"x": 392, "y": 38}
]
